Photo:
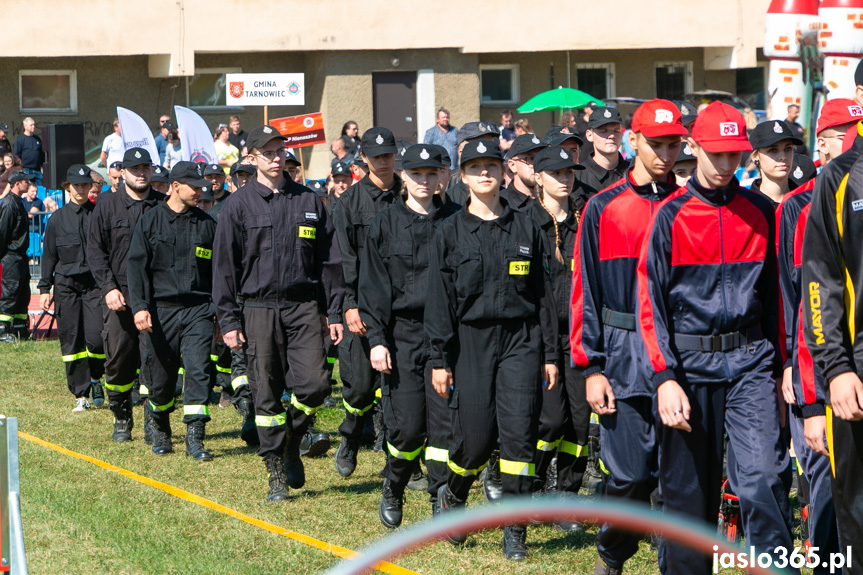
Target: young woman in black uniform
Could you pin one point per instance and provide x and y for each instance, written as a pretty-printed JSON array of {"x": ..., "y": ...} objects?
[
  {"x": 564, "y": 420},
  {"x": 392, "y": 296},
  {"x": 492, "y": 327}
]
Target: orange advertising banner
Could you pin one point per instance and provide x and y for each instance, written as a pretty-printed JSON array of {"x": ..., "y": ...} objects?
[{"x": 301, "y": 131}]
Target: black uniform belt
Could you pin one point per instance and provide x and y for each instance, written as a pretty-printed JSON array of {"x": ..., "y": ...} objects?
[
  {"x": 618, "y": 319},
  {"x": 713, "y": 343}
]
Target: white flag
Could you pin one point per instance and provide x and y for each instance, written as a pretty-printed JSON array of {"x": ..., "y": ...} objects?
[
  {"x": 136, "y": 133},
  {"x": 196, "y": 140}
]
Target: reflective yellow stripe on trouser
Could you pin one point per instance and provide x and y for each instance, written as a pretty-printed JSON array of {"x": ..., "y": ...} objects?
[
  {"x": 436, "y": 454},
  {"x": 20, "y": 316},
  {"x": 271, "y": 420},
  {"x": 406, "y": 455},
  {"x": 196, "y": 410},
  {"x": 573, "y": 449},
  {"x": 165, "y": 407},
  {"x": 95, "y": 355},
  {"x": 547, "y": 445},
  {"x": 302, "y": 406},
  {"x": 74, "y": 357},
  {"x": 6, "y": 318},
  {"x": 517, "y": 468},
  {"x": 239, "y": 382},
  {"x": 462, "y": 471},
  {"x": 354, "y": 410},
  {"x": 119, "y": 388},
  {"x": 602, "y": 467}
]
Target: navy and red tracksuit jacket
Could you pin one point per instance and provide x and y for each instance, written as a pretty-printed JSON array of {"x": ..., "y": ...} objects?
[
  {"x": 708, "y": 268},
  {"x": 791, "y": 224},
  {"x": 613, "y": 226}
]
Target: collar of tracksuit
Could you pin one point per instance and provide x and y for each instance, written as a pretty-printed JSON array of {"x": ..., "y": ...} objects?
[
  {"x": 653, "y": 191},
  {"x": 473, "y": 222},
  {"x": 714, "y": 196}
]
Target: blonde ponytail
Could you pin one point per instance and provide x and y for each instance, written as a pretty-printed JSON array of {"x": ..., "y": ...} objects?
[{"x": 539, "y": 198}]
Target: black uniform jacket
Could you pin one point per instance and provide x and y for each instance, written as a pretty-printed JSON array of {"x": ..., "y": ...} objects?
[
  {"x": 394, "y": 270},
  {"x": 64, "y": 249},
  {"x": 273, "y": 250},
  {"x": 171, "y": 258},
  {"x": 14, "y": 227},
  {"x": 488, "y": 271},
  {"x": 596, "y": 177},
  {"x": 110, "y": 233},
  {"x": 352, "y": 214}
]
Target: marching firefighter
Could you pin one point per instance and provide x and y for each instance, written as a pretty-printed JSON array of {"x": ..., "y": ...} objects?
[
  {"x": 170, "y": 282},
  {"x": 76, "y": 295},
  {"x": 14, "y": 241}
]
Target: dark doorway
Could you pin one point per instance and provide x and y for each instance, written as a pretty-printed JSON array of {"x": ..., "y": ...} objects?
[{"x": 394, "y": 97}]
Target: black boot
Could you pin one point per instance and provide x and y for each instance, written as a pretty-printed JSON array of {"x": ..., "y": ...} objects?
[
  {"x": 249, "y": 431},
  {"x": 492, "y": 487},
  {"x": 195, "y": 441},
  {"x": 514, "y": 542},
  {"x": 148, "y": 424},
  {"x": 418, "y": 481},
  {"x": 294, "y": 470},
  {"x": 6, "y": 334},
  {"x": 97, "y": 392},
  {"x": 392, "y": 500},
  {"x": 161, "y": 434},
  {"x": 346, "y": 457},
  {"x": 123, "y": 421},
  {"x": 314, "y": 444},
  {"x": 602, "y": 569},
  {"x": 446, "y": 502},
  {"x": 276, "y": 475}
]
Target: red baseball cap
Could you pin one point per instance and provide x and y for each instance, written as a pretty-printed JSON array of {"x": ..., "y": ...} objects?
[
  {"x": 837, "y": 112},
  {"x": 658, "y": 118},
  {"x": 720, "y": 128},
  {"x": 854, "y": 132}
]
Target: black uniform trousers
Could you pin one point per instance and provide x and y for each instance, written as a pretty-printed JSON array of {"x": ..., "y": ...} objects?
[
  {"x": 759, "y": 468},
  {"x": 359, "y": 384},
  {"x": 403, "y": 396},
  {"x": 564, "y": 424},
  {"x": 823, "y": 532},
  {"x": 220, "y": 355},
  {"x": 182, "y": 335},
  {"x": 15, "y": 291},
  {"x": 239, "y": 377},
  {"x": 123, "y": 349},
  {"x": 845, "y": 441},
  {"x": 495, "y": 392},
  {"x": 284, "y": 350},
  {"x": 439, "y": 437},
  {"x": 629, "y": 460},
  {"x": 79, "y": 327}
]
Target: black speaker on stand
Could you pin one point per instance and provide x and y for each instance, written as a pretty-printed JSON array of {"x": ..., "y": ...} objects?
[{"x": 64, "y": 146}]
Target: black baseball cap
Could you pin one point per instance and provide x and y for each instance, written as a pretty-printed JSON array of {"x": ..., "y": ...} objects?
[
  {"x": 208, "y": 196},
  {"x": 4, "y": 127},
  {"x": 446, "y": 161},
  {"x": 213, "y": 169},
  {"x": 241, "y": 167},
  {"x": 378, "y": 141},
  {"x": 560, "y": 137},
  {"x": 261, "y": 136},
  {"x": 160, "y": 174},
  {"x": 340, "y": 169},
  {"x": 79, "y": 174},
  {"x": 401, "y": 146},
  {"x": 685, "y": 154},
  {"x": 602, "y": 116},
  {"x": 290, "y": 158},
  {"x": 768, "y": 133},
  {"x": 421, "y": 156},
  {"x": 554, "y": 158},
  {"x": 358, "y": 160},
  {"x": 480, "y": 149},
  {"x": 688, "y": 112},
  {"x": 802, "y": 170},
  {"x": 136, "y": 157},
  {"x": 190, "y": 173},
  {"x": 317, "y": 186},
  {"x": 118, "y": 165},
  {"x": 473, "y": 130},
  {"x": 523, "y": 144},
  {"x": 20, "y": 176}
]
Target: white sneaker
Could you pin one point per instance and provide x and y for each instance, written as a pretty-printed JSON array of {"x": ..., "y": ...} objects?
[{"x": 81, "y": 404}]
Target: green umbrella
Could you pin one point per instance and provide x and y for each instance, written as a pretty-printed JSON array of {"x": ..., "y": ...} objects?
[{"x": 559, "y": 99}]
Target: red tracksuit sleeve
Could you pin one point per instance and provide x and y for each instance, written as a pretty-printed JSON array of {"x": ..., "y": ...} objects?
[
  {"x": 654, "y": 271},
  {"x": 586, "y": 338}
]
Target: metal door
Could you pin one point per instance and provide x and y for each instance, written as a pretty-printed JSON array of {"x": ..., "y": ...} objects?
[{"x": 394, "y": 97}]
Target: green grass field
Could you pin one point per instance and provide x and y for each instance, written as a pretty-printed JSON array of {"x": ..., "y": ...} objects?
[{"x": 79, "y": 518}]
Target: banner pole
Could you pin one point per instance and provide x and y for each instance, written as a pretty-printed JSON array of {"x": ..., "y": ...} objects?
[
  {"x": 266, "y": 121},
  {"x": 303, "y": 164}
]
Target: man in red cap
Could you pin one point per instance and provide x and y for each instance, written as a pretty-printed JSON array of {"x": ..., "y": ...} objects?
[
  {"x": 603, "y": 339},
  {"x": 805, "y": 390},
  {"x": 708, "y": 314}
]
